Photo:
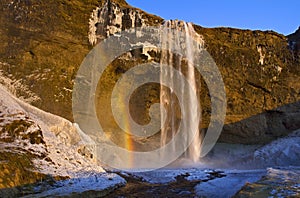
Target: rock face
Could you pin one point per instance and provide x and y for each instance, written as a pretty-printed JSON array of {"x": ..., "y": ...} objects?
[
  {"x": 18, "y": 133},
  {"x": 43, "y": 51},
  {"x": 38, "y": 148},
  {"x": 294, "y": 43},
  {"x": 261, "y": 77},
  {"x": 110, "y": 19}
]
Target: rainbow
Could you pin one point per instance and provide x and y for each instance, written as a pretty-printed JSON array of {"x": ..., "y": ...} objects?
[{"x": 127, "y": 138}]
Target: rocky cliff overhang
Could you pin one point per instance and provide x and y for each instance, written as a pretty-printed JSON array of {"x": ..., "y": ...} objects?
[{"x": 43, "y": 51}]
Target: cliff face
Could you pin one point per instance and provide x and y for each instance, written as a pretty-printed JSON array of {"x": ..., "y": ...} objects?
[
  {"x": 294, "y": 42},
  {"x": 261, "y": 75},
  {"x": 110, "y": 19},
  {"x": 44, "y": 43}
]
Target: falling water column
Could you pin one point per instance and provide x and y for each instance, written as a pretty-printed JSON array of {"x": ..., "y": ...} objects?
[{"x": 171, "y": 43}]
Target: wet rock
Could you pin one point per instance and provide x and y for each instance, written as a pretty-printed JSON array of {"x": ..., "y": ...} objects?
[{"x": 277, "y": 183}]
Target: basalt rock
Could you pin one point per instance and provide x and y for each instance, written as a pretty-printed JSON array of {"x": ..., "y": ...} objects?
[{"x": 43, "y": 51}]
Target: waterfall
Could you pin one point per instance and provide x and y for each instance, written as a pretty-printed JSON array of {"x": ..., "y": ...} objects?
[{"x": 172, "y": 42}]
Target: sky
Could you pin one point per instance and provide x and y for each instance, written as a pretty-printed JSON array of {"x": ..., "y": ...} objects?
[{"x": 282, "y": 16}]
